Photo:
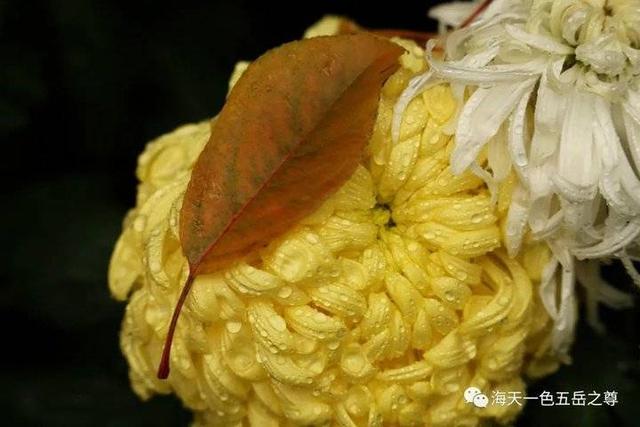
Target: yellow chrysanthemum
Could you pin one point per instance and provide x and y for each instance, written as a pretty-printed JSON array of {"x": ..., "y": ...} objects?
[{"x": 381, "y": 308}]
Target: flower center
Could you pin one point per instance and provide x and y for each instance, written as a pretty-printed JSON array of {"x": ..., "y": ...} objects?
[
  {"x": 382, "y": 215},
  {"x": 605, "y": 34}
]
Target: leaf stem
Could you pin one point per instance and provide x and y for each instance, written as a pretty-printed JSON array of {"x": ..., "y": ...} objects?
[{"x": 164, "y": 367}]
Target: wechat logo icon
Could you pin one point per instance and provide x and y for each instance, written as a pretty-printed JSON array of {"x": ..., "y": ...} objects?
[{"x": 475, "y": 396}]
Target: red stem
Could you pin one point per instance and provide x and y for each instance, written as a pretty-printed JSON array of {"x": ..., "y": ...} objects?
[
  {"x": 164, "y": 368},
  {"x": 475, "y": 13}
]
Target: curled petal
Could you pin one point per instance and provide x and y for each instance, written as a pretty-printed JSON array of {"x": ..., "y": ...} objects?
[
  {"x": 538, "y": 41},
  {"x": 577, "y": 172},
  {"x": 481, "y": 118}
]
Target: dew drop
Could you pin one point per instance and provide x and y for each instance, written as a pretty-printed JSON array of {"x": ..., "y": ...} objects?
[
  {"x": 155, "y": 266},
  {"x": 285, "y": 292},
  {"x": 333, "y": 345},
  {"x": 449, "y": 296},
  {"x": 354, "y": 362},
  {"x": 234, "y": 327},
  {"x": 139, "y": 223},
  {"x": 312, "y": 238},
  {"x": 316, "y": 366},
  {"x": 278, "y": 323},
  {"x": 476, "y": 218},
  {"x": 242, "y": 361}
]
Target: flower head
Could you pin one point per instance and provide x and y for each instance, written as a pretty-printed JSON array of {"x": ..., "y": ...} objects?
[
  {"x": 550, "y": 90},
  {"x": 378, "y": 309}
]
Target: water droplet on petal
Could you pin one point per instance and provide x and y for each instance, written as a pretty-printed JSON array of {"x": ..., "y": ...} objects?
[
  {"x": 285, "y": 292},
  {"x": 234, "y": 327}
]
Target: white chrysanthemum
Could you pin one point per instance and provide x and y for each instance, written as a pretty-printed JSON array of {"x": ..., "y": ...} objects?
[{"x": 556, "y": 97}]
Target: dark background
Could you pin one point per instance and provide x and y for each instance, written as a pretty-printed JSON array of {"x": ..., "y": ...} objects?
[{"x": 83, "y": 85}]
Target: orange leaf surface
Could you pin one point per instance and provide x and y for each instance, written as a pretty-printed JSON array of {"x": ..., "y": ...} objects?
[{"x": 292, "y": 131}]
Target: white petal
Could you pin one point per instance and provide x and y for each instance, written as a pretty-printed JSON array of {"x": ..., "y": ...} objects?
[
  {"x": 549, "y": 114},
  {"x": 481, "y": 58},
  {"x": 577, "y": 174},
  {"x": 550, "y": 227},
  {"x": 633, "y": 55},
  {"x": 562, "y": 310},
  {"x": 619, "y": 199},
  {"x": 631, "y": 185},
  {"x": 563, "y": 80},
  {"x": 548, "y": 288},
  {"x": 480, "y": 119},
  {"x": 577, "y": 216},
  {"x": 415, "y": 86},
  {"x": 489, "y": 180},
  {"x": 539, "y": 179},
  {"x": 498, "y": 155},
  {"x": 607, "y": 142},
  {"x": 453, "y": 13},
  {"x": 630, "y": 268},
  {"x": 563, "y": 330},
  {"x": 587, "y": 274},
  {"x": 632, "y": 104},
  {"x": 456, "y": 40},
  {"x": 599, "y": 291},
  {"x": 618, "y": 233},
  {"x": 570, "y": 27},
  {"x": 618, "y": 183},
  {"x": 503, "y": 8},
  {"x": 632, "y": 127},
  {"x": 603, "y": 54},
  {"x": 539, "y": 212},
  {"x": 538, "y": 41},
  {"x": 614, "y": 298},
  {"x": 518, "y": 133},
  {"x": 489, "y": 74},
  {"x": 516, "y": 220}
]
